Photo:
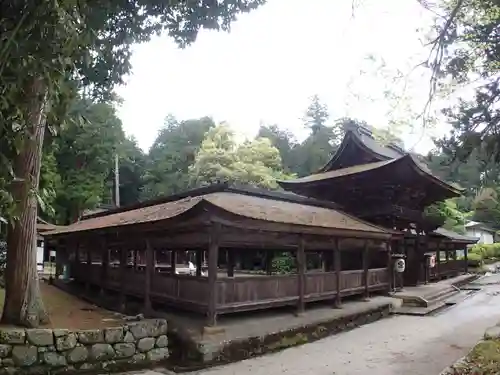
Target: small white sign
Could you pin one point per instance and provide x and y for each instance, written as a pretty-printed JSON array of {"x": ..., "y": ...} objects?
[{"x": 400, "y": 265}]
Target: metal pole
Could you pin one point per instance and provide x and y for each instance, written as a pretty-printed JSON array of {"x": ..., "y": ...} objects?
[{"x": 117, "y": 182}]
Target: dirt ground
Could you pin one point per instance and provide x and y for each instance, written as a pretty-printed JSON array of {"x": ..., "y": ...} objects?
[{"x": 68, "y": 311}]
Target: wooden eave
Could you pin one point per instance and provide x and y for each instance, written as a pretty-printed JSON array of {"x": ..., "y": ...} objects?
[
  {"x": 269, "y": 215},
  {"x": 343, "y": 176}
]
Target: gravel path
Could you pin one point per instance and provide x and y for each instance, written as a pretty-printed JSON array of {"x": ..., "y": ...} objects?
[{"x": 398, "y": 345}]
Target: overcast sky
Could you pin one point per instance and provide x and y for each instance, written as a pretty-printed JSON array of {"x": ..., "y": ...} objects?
[{"x": 273, "y": 60}]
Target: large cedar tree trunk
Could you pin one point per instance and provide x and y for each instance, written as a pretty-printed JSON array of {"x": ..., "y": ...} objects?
[{"x": 23, "y": 302}]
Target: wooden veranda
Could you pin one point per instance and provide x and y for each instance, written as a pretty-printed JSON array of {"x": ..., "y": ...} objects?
[{"x": 134, "y": 251}]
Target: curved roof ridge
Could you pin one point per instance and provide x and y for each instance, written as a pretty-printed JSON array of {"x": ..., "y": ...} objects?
[{"x": 251, "y": 210}]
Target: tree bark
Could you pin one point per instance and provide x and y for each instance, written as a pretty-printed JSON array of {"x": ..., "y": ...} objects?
[{"x": 23, "y": 302}]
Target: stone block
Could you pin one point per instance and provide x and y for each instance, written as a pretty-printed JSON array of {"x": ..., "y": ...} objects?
[
  {"x": 91, "y": 336},
  {"x": 5, "y": 350},
  {"x": 54, "y": 359},
  {"x": 492, "y": 333},
  {"x": 138, "y": 358},
  {"x": 90, "y": 367},
  {"x": 101, "y": 352},
  {"x": 60, "y": 332},
  {"x": 77, "y": 355},
  {"x": 139, "y": 329},
  {"x": 24, "y": 355},
  {"x": 145, "y": 344},
  {"x": 12, "y": 336},
  {"x": 157, "y": 327},
  {"x": 66, "y": 342},
  {"x": 113, "y": 335},
  {"x": 40, "y": 337},
  {"x": 161, "y": 341},
  {"x": 7, "y": 362},
  {"x": 124, "y": 350},
  {"x": 129, "y": 337},
  {"x": 158, "y": 354}
]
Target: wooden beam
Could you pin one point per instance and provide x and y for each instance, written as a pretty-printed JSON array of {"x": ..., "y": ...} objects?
[
  {"x": 123, "y": 280},
  {"x": 89, "y": 265},
  {"x": 466, "y": 259},
  {"x": 230, "y": 262},
  {"x": 301, "y": 275},
  {"x": 389, "y": 267},
  {"x": 269, "y": 261},
  {"x": 173, "y": 260},
  {"x": 104, "y": 266},
  {"x": 213, "y": 256},
  {"x": 366, "y": 265},
  {"x": 199, "y": 262},
  {"x": 150, "y": 260},
  {"x": 338, "y": 269}
]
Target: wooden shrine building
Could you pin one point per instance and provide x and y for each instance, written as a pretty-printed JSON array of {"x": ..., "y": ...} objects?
[
  {"x": 133, "y": 251},
  {"x": 391, "y": 188}
]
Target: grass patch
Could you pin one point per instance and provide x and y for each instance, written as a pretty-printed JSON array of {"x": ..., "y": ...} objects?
[
  {"x": 484, "y": 359},
  {"x": 68, "y": 311}
]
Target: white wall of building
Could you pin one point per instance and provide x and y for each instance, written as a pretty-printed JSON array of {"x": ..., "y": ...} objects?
[{"x": 485, "y": 237}]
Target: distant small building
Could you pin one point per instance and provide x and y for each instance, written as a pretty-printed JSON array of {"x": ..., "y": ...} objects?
[
  {"x": 41, "y": 255},
  {"x": 482, "y": 231}
]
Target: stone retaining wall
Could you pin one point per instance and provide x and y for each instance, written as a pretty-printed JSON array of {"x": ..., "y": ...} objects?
[
  {"x": 189, "y": 355},
  {"x": 43, "y": 351}
]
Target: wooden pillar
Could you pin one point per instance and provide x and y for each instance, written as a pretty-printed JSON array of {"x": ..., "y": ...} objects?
[
  {"x": 366, "y": 265},
  {"x": 77, "y": 253},
  {"x": 150, "y": 264},
  {"x": 89, "y": 266},
  {"x": 390, "y": 271},
  {"x": 104, "y": 266},
  {"x": 447, "y": 253},
  {"x": 136, "y": 255},
  {"x": 466, "y": 260},
  {"x": 46, "y": 250},
  {"x": 269, "y": 261},
  {"x": 230, "y": 262},
  {"x": 301, "y": 274},
  {"x": 438, "y": 260},
  {"x": 199, "y": 262},
  {"x": 454, "y": 252},
  {"x": 173, "y": 260},
  {"x": 338, "y": 269},
  {"x": 213, "y": 255},
  {"x": 123, "y": 279}
]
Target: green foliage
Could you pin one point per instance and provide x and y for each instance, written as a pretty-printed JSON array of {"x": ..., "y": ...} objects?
[
  {"x": 171, "y": 155},
  {"x": 475, "y": 259},
  {"x": 85, "y": 155},
  {"x": 132, "y": 165},
  {"x": 466, "y": 51},
  {"x": 480, "y": 253},
  {"x": 284, "y": 141},
  {"x": 448, "y": 214},
  {"x": 284, "y": 263},
  {"x": 83, "y": 47},
  {"x": 220, "y": 159},
  {"x": 315, "y": 151}
]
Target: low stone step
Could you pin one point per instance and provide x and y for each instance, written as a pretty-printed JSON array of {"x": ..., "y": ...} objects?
[
  {"x": 437, "y": 306},
  {"x": 441, "y": 296}
]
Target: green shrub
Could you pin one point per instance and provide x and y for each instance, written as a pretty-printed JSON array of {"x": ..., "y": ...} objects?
[
  {"x": 489, "y": 251},
  {"x": 283, "y": 263},
  {"x": 474, "y": 259}
]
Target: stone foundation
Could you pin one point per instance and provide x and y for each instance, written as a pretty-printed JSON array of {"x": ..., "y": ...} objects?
[
  {"x": 190, "y": 355},
  {"x": 42, "y": 351}
]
